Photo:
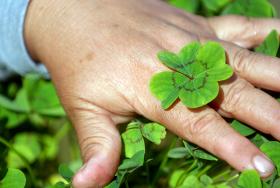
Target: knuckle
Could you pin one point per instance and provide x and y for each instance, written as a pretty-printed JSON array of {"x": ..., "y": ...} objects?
[
  {"x": 95, "y": 137},
  {"x": 273, "y": 130},
  {"x": 234, "y": 95},
  {"x": 234, "y": 147},
  {"x": 241, "y": 60},
  {"x": 200, "y": 125}
]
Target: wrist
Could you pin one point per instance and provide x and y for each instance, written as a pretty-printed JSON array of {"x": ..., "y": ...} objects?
[{"x": 43, "y": 22}]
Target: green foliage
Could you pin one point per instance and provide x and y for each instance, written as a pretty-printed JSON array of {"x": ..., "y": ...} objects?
[
  {"x": 191, "y": 181},
  {"x": 36, "y": 96},
  {"x": 250, "y": 8},
  {"x": 134, "y": 162},
  {"x": 133, "y": 139},
  {"x": 215, "y": 5},
  {"x": 258, "y": 140},
  {"x": 250, "y": 179},
  {"x": 198, "y": 153},
  {"x": 65, "y": 172},
  {"x": 271, "y": 149},
  {"x": 244, "y": 130},
  {"x": 187, "y": 5},
  {"x": 134, "y": 144},
  {"x": 196, "y": 71},
  {"x": 13, "y": 179},
  {"x": 154, "y": 132},
  {"x": 178, "y": 152},
  {"x": 32, "y": 124},
  {"x": 134, "y": 135},
  {"x": 27, "y": 144},
  {"x": 270, "y": 45}
]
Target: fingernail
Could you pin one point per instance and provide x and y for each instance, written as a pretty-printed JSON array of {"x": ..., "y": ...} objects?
[{"x": 263, "y": 165}]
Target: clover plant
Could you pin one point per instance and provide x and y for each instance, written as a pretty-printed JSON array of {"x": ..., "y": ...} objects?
[
  {"x": 193, "y": 77},
  {"x": 251, "y": 8},
  {"x": 270, "y": 45}
]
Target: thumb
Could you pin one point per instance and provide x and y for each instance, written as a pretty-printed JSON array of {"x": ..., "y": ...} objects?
[{"x": 100, "y": 146}]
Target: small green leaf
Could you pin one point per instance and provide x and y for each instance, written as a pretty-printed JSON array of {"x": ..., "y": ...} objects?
[
  {"x": 20, "y": 104},
  {"x": 133, "y": 139},
  {"x": 154, "y": 132},
  {"x": 215, "y": 5},
  {"x": 198, "y": 153},
  {"x": 60, "y": 185},
  {"x": 258, "y": 140},
  {"x": 13, "y": 179},
  {"x": 270, "y": 45},
  {"x": 177, "y": 153},
  {"x": 192, "y": 182},
  {"x": 241, "y": 128},
  {"x": 135, "y": 161},
  {"x": 28, "y": 145},
  {"x": 42, "y": 96},
  {"x": 276, "y": 183},
  {"x": 204, "y": 155},
  {"x": 3, "y": 163},
  {"x": 163, "y": 87},
  {"x": 174, "y": 178},
  {"x": 206, "y": 180},
  {"x": 189, "y": 148},
  {"x": 186, "y": 5},
  {"x": 50, "y": 148},
  {"x": 14, "y": 118},
  {"x": 113, "y": 184},
  {"x": 250, "y": 8},
  {"x": 198, "y": 70},
  {"x": 65, "y": 172},
  {"x": 250, "y": 179},
  {"x": 271, "y": 149}
]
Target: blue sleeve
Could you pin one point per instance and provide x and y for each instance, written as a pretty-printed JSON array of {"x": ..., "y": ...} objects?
[{"x": 14, "y": 57}]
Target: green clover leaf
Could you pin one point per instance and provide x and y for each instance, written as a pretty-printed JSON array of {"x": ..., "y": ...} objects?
[
  {"x": 249, "y": 179},
  {"x": 251, "y": 8},
  {"x": 270, "y": 45},
  {"x": 194, "y": 79}
]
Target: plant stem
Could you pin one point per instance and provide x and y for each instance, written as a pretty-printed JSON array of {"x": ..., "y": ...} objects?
[
  {"x": 148, "y": 172},
  {"x": 164, "y": 161},
  {"x": 25, "y": 161},
  {"x": 62, "y": 131},
  {"x": 126, "y": 184},
  {"x": 232, "y": 178},
  {"x": 203, "y": 171},
  {"x": 222, "y": 174},
  {"x": 184, "y": 175}
]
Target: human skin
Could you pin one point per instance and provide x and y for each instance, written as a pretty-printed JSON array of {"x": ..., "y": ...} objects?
[{"x": 102, "y": 54}]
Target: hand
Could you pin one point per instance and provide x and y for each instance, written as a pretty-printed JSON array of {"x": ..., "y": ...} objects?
[{"x": 102, "y": 54}]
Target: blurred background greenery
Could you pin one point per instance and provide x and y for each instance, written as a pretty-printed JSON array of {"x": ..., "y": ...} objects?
[
  {"x": 36, "y": 137},
  {"x": 276, "y": 3}
]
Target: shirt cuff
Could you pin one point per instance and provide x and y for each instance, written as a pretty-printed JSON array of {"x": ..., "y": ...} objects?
[{"x": 13, "y": 53}]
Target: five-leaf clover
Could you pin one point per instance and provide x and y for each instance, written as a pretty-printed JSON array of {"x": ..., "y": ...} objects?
[{"x": 196, "y": 70}]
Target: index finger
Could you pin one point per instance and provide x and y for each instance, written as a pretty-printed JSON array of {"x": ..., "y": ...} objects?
[{"x": 243, "y": 31}]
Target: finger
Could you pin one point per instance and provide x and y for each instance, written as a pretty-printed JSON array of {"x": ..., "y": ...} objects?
[
  {"x": 207, "y": 129},
  {"x": 100, "y": 146},
  {"x": 262, "y": 71},
  {"x": 250, "y": 105},
  {"x": 243, "y": 31}
]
